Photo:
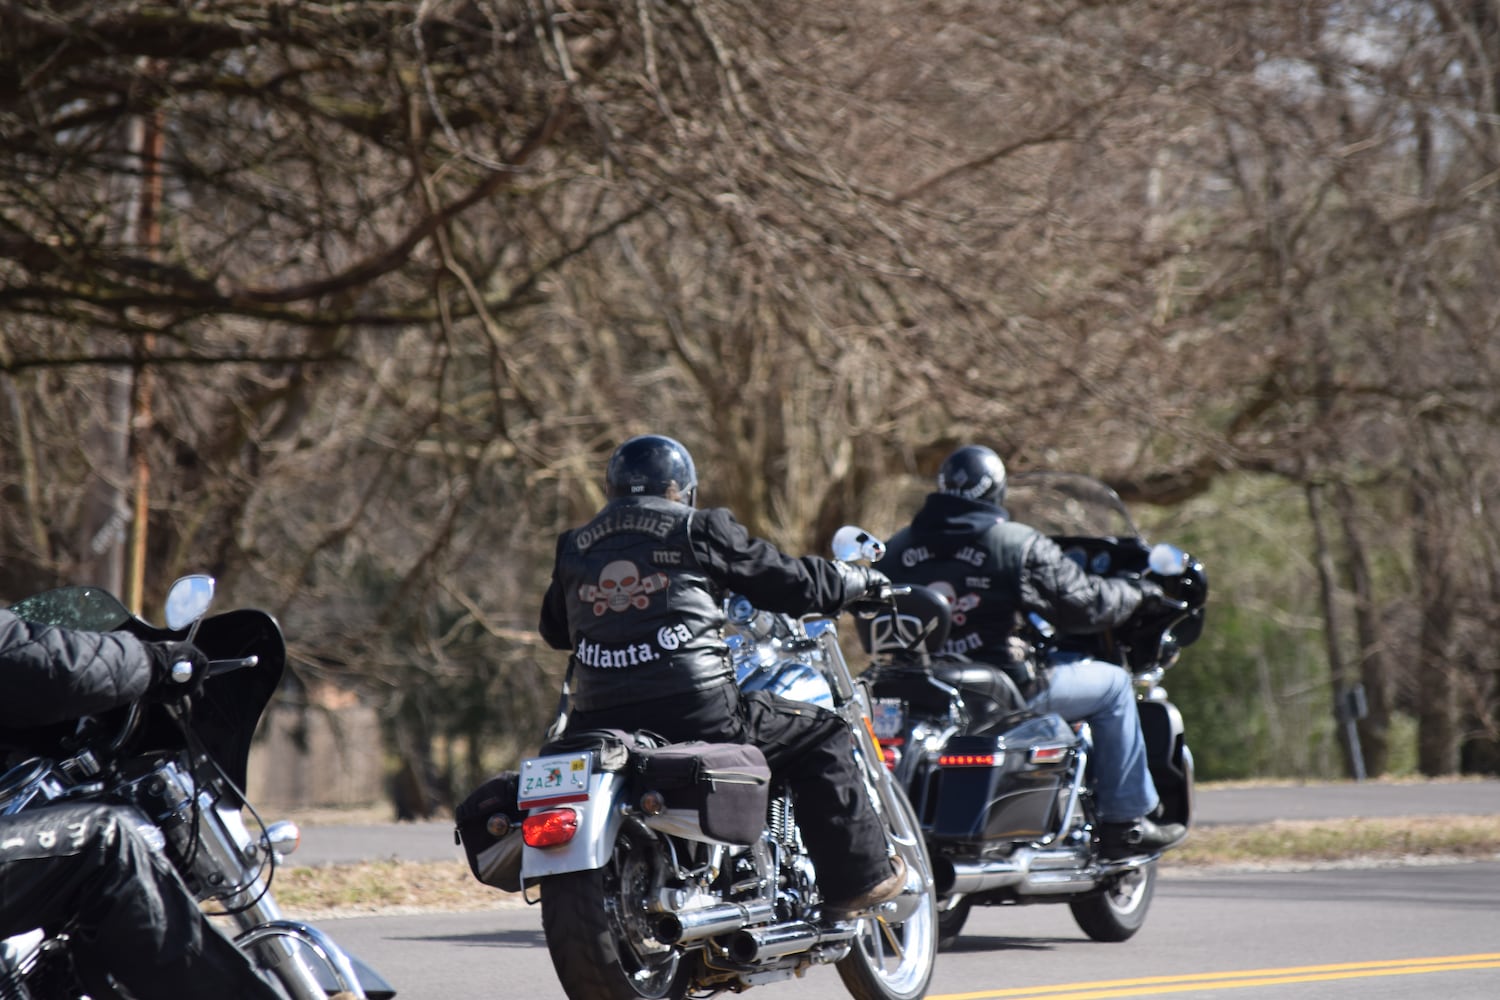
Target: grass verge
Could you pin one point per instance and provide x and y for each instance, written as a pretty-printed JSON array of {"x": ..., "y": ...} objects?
[
  {"x": 408, "y": 886},
  {"x": 1290, "y": 843}
]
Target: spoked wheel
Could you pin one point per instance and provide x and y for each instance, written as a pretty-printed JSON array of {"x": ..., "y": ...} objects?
[
  {"x": 1116, "y": 913},
  {"x": 598, "y": 934},
  {"x": 892, "y": 960}
]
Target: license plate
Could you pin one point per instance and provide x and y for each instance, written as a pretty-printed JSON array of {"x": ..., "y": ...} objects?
[
  {"x": 888, "y": 718},
  {"x": 564, "y": 776}
]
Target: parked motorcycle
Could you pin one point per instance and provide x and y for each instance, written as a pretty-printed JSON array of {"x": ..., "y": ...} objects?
[
  {"x": 179, "y": 771},
  {"x": 672, "y": 870},
  {"x": 1004, "y": 795}
]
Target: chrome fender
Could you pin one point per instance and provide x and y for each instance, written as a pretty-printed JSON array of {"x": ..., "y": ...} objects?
[{"x": 599, "y": 819}]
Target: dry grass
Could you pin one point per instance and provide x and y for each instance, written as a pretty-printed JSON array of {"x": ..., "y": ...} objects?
[
  {"x": 1303, "y": 842},
  {"x": 384, "y": 887},
  {"x": 411, "y": 886}
]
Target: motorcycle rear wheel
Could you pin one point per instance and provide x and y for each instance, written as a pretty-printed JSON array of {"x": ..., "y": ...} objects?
[
  {"x": 1117, "y": 912},
  {"x": 600, "y": 942},
  {"x": 894, "y": 961},
  {"x": 951, "y": 922}
]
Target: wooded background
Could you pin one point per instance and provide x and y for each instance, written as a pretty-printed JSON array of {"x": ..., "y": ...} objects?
[{"x": 347, "y": 303}]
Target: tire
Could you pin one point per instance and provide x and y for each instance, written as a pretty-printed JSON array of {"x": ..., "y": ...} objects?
[
  {"x": 951, "y": 921},
  {"x": 1116, "y": 913},
  {"x": 600, "y": 943},
  {"x": 873, "y": 969}
]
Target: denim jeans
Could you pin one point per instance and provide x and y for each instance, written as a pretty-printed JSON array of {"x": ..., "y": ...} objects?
[{"x": 1101, "y": 694}]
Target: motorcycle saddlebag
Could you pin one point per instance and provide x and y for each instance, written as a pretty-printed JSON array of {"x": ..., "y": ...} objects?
[
  {"x": 726, "y": 784},
  {"x": 488, "y": 827}
]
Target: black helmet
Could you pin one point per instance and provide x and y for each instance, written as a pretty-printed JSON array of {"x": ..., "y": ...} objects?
[
  {"x": 973, "y": 471},
  {"x": 651, "y": 465}
]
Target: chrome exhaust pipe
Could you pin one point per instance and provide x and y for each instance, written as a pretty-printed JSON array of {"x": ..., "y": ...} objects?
[
  {"x": 767, "y": 943},
  {"x": 977, "y": 876},
  {"x": 1028, "y": 871},
  {"x": 707, "y": 921}
]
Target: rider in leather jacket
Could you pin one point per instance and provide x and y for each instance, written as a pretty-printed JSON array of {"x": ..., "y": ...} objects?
[
  {"x": 637, "y": 597},
  {"x": 85, "y": 865},
  {"x": 991, "y": 569}
]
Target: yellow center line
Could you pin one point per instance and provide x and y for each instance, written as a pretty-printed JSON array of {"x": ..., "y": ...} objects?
[{"x": 1104, "y": 989}]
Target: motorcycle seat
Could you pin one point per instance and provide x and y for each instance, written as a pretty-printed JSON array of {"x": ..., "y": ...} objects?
[{"x": 988, "y": 691}]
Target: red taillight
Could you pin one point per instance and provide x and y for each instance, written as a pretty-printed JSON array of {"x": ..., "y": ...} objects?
[
  {"x": 1047, "y": 755},
  {"x": 966, "y": 760},
  {"x": 550, "y": 828},
  {"x": 890, "y": 755}
]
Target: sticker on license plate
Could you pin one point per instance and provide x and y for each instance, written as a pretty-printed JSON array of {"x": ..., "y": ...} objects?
[
  {"x": 560, "y": 776},
  {"x": 887, "y": 717}
]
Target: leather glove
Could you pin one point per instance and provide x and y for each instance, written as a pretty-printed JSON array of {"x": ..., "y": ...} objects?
[
  {"x": 168, "y": 680},
  {"x": 867, "y": 589},
  {"x": 863, "y": 583},
  {"x": 1154, "y": 600},
  {"x": 877, "y": 585}
]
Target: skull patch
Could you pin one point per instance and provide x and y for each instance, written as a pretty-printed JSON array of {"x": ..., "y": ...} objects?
[
  {"x": 622, "y": 587},
  {"x": 960, "y": 605}
]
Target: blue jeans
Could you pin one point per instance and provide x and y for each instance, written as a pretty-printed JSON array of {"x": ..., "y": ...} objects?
[{"x": 1078, "y": 688}]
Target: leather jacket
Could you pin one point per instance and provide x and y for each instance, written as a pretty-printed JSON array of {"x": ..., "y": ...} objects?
[
  {"x": 991, "y": 569},
  {"x": 53, "y": 674},
  {"x": 637, "y": 596}
]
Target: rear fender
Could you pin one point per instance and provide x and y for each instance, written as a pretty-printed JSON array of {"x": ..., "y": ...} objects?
[{"x": 599, "y": 820}]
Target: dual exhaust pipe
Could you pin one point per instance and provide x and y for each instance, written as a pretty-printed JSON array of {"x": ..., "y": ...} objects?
[
  {"x": 749, "y": 942},
  {"x": 684, "y": 926}
]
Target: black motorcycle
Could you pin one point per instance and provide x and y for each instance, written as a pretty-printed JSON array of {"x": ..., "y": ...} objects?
[
  {"x": 179, "y": 771},
  {"x": 671, "y": 871},
  {"x": 1004, "y": 795}
]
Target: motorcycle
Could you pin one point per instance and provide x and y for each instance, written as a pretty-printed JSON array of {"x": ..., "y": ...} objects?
[
  {"x": 669, "y": 870},
  {"x": 1003, "y": 794},
  {"x": 178, "y": 772}
]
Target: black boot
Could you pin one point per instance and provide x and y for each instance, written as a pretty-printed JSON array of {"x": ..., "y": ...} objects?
[{"x": 1138, "y": 836}]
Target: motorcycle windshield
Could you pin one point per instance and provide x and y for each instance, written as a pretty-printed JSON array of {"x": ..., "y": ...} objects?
[
  {"x": 87, "y": 608},
  {"x": 1067, "y": 503},
  {"x": 226, "y": 714}
]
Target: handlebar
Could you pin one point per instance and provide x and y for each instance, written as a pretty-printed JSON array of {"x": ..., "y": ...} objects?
[
  {"x": 217, "y": 667},
  {"x": 182, "y": 670}
]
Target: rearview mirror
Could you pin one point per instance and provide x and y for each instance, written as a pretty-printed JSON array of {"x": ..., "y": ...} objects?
[
  {"x": 1167, "y": 560},
  {"x": 852, "y": 543},
  {"x": 188, "y": 599}
]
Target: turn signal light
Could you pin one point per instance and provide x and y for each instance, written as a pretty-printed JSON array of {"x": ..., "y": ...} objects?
[
  {"x": 550, "y": 828},
  {"x": 283, "y": 836},
  {"x": 966, "y": 760}
]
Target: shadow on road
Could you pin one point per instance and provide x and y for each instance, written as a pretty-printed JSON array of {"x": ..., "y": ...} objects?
[{"x": 489, "y": 939}]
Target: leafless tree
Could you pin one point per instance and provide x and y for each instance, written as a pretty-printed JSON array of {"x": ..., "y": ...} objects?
[{"x": 358, "y": 297}]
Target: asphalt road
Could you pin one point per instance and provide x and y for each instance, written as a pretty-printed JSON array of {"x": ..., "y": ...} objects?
[
  {"x": 1344, "y": 934},
  {"x": 1341, "y": 933},
  {"x": 433, "y": 841}
]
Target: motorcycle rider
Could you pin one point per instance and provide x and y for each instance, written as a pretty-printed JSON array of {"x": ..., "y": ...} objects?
[
  {"x": 963, "y": 540},
  {"x": 85, "y": 865},
  {"x": 637, "y": 597}
]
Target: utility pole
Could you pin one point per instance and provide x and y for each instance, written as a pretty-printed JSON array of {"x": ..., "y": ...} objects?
[{"x": 149, "y": 227}]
